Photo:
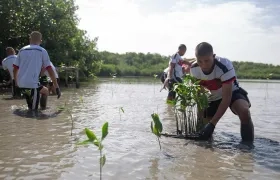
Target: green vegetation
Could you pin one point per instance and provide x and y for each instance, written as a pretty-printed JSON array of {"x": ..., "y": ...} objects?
[
  {"x": 156, "y": 127},
  {"x": 70, "y": 46},
  {"x": 189, "y": 104},
  {"x": 57, "y": 21},
  {"x": 93, "y": 139},
  {"x": 139, "y": 64}
]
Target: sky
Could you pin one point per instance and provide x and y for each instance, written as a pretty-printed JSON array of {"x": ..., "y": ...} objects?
[{"x": 244, "y": 30}]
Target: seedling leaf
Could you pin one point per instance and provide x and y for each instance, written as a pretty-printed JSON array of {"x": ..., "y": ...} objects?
[
  {"x": 91, "y": 136},
  {"x": 104, "y": 130}
]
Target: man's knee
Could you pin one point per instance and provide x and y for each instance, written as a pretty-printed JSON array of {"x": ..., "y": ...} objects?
[{"x": 244, "y": 115}]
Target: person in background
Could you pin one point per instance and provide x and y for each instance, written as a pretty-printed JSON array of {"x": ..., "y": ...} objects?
[
  {"x": 175, "y": 71},
  {"x": 27, "y": 68},
  {"x": 217, "y": 74},
  {"x": 7, "y": 64},
  {"x": 49, "y": 81}
]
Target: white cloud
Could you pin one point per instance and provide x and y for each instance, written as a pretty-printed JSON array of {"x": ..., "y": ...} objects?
[{"x": 235, "y": 29}]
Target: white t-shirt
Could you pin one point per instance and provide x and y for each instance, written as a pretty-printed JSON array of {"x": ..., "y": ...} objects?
[
  {"x": 223, "y": 72},
  {"x": 54, "y": 70},
  {"x": 8, "y": 62},
  {"x": 177, "y": 71},
  {"x": 29, "y": 61}
]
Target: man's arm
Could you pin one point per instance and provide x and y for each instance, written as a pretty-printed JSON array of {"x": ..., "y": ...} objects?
[
  {"x": 226, "y": 98},
  {"x": 227, "y": 80},
  {"x": 15, "y": 68},
  {"x": 47, "y": 65}
]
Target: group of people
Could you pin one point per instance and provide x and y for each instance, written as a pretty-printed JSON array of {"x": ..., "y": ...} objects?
[
  {"x": 217, "y": 75},
  {"x": 33, "y": 74}
]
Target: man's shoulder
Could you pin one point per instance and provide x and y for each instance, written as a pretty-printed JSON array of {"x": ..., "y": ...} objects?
[
  {"x": 33, "y": 47},
  {"x": 194, "y": 64},
  {"x": 223, "y": 63}
]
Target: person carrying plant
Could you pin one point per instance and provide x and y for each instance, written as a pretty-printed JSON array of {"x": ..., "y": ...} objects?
[
  {"x": 217, "y": 74},
  {"x": 27, "y": 68},
  {"x": 175, "y": 71}
]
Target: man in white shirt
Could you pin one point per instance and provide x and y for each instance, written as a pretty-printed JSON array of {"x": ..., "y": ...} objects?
[
  {"x": 217, "y": 74},
  {"x": 27, "y": 68},
  {"x": 7, "y": 64},
  {"x": 175, "y": 70}
]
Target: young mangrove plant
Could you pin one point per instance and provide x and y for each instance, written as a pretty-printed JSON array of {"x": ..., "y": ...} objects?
[
  {"x": 93, "y": 139},
  {"x": 156, "y": 127},
  {"x": 66, "y": 108},
  {"x": 155, "y": 77},
  {"x": 121, "y": 111},
  {"x": 268, "y": 77},
  {"x": 189, "y": 104}
]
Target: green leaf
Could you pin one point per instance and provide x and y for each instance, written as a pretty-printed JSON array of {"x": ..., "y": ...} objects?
[
  {"x": 102, "y": 160},
  {"x": 152, "y": 126},
  {"x": 104, "y": 130},
  {"x": 122, "y": 109},
  {"x": 96, "y": 143},
  {"x": 91, "y": 136},
  {"x": 84, "y": 142}
]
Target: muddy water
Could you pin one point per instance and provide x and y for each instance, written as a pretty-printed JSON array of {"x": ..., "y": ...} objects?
[{"x": 39, "y": 146}]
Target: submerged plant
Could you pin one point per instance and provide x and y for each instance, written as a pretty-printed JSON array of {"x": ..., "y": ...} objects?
[
  {"x": 155, "y": 77},
  {"x": 156, "y": 127},
  {"x": 267, "y": 79},
  {"x": 93, "y": 139},
  {"x": 189, "y": 104},
  {"x": 121, "y": 111}
]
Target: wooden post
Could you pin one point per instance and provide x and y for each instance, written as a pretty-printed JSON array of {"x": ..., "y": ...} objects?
[{"x": 77, "y": 78}]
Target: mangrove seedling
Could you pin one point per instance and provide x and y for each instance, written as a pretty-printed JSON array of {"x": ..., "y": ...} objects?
[
  {"x": 121, "y": 111},
  {"x": 155, "y": 76},
  {"x": 189, "y": 104},
  {"x": 156, "y": 127},
  {"x": 93, "y": 139}
]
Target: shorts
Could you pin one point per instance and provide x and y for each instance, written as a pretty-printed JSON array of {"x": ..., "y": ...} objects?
[
  {"x": 213, "y": 106},
  {"x": 172, "y": 94},
  {"x": 32, "y": 96}
]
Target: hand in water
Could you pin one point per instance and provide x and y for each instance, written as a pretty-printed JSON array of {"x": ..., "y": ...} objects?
[
  {"x": 58, "y": 92},
  {"x": 207, "y": 131},
  {"x": 166, "y": 83}
]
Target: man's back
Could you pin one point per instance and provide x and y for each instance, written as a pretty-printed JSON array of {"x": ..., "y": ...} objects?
[
  {"x": 178, "y": 72},
  {"x": 8, "y": 62},
  {"x": 30, "y": 60}
]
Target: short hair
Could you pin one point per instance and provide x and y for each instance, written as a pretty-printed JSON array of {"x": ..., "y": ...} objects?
[
  {"x": 10, "y": 50},
  {"x": 182, "y": 46},
  {"x": 35, "y": 35},
  {"x": 203, "y": 49}
]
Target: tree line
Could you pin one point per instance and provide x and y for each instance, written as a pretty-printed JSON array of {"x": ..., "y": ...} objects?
[
  {"x": 70, "y": 46},
  {"x": 139, "y": 64}
]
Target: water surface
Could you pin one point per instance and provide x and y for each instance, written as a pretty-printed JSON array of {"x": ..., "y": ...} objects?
[{"x": 39, "y": 146}]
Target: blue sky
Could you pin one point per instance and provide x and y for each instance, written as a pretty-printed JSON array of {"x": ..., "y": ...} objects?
[{"x": 247, "y": 30}]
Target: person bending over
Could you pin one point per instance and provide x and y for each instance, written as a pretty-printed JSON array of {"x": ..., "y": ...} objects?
[
  {"x": 175, "y": 71},
  {"x": 217, "y": 74}
]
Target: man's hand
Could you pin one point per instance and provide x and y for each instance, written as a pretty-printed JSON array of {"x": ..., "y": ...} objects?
[
  {"x": 166, "y": 83},
  {"x": 207, "y": 131},
  {"x": 58, "y": 92}
]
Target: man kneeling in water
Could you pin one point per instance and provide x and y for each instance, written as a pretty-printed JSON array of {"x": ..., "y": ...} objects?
[
  {"x": 27, "y": 68},
  {"x": 217, "y": 74}
]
